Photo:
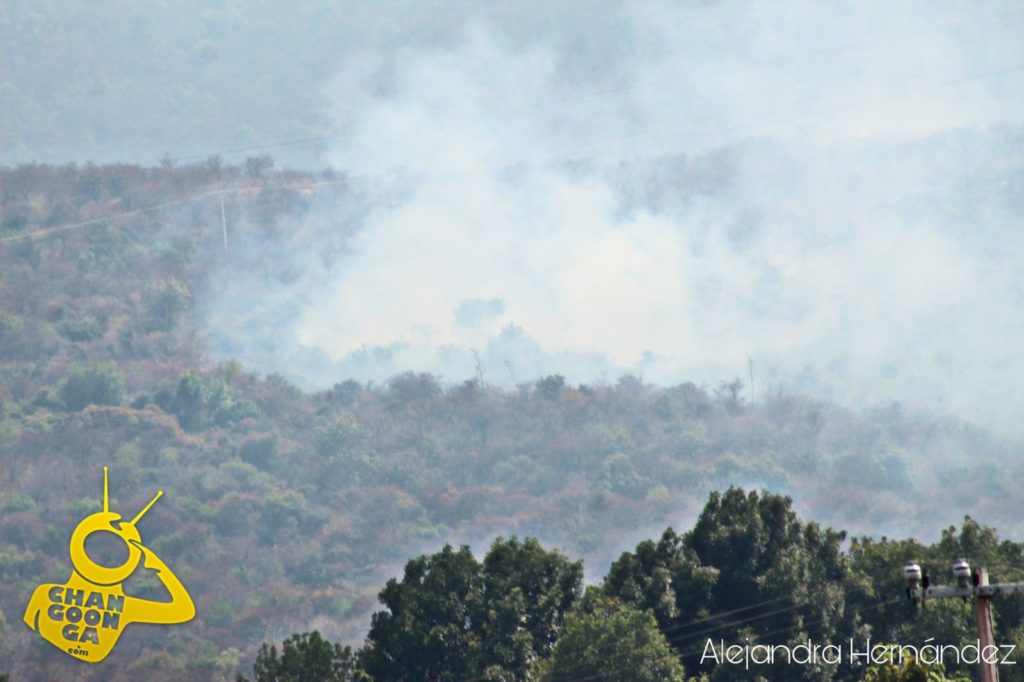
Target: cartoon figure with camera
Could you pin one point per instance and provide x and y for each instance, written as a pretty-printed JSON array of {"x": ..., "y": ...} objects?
[{"x": 85, "y": 616}]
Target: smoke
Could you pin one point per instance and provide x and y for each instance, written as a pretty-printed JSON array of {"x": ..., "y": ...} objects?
[{"x": 832, "y": 190}]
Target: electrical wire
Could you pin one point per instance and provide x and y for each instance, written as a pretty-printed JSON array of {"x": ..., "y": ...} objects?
[
  {"x": 562, "y": 157},
  {"x": 167, "y": 204},
  {"x": 679, "y": 638},
  {"x": 794, "y": 628},
  {"x": 743, "y": 621},
  {"x": 674, "y": 641},
  {"x": 690, "y": 623}
]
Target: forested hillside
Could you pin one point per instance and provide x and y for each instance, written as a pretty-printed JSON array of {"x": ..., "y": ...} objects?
[
  {"x": 287, "y": 510},
  {"x": 749, "y": 571}
]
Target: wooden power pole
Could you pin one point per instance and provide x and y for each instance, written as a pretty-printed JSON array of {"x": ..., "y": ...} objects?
[
  {"x": 968, "y": 586},
  {"x": 983, "y": 616}
]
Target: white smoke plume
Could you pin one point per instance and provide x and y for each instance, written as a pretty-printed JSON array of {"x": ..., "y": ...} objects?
[{"x": 834, "y": 190}]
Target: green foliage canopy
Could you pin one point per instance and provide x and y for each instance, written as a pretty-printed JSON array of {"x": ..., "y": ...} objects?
[
  {"x": 454, "y": 618},
  {"x": 605, "y": 639}
]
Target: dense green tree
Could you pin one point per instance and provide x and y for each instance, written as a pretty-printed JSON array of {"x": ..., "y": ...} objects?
[
  {"x": 312, "y": 491},
  {"x": 605, "y": 639},
  {"x": 454, "y": 618},
  {"x": 551, "y": 386},
  {"x": 426, "y": 632},
  {"x": 517, "y": 615},
  {"x": 101, "y": 385},
  {"x": 189, "y": 401},
  {"x": 875, "y": 568},
  {"x": 306, "y": 657},
  {"x": 164, "y": 302},
  {"x": 549, "y": 585},
  {"x": 910, "y": 670},
  {"x": 748, "y": 557},
  {"x": 410, "y": 387}
]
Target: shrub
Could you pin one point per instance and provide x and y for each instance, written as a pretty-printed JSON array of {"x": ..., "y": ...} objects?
[{"x": 100, "y": 385}]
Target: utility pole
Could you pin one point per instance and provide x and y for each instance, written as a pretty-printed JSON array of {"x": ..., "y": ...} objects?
[
  {"x": 223, "y": 222},
  {"x": 968, "y": 586},
  {"x": 750, "y": 368},
  {"x": 479, "y": 370},
  {"x": 983, "y": 617}
]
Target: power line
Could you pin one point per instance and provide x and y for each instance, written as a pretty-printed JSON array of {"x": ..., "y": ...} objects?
[
  {"x": 721, "y": 614},
  {"x": 167, "y": 204},
  {"x": 696, "y": 621},
  {"x": 801, "y": 626},
  {"x": 349, "y": 180},
  {"x": 109, "y": 218},
  {"x": 740, "y": 622},
  {"x": 759, "y": 636},
  {"x": 562, "y": 157},
  {"x": 793, "y": 628}
]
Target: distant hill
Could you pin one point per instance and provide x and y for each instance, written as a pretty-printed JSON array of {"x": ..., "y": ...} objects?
[{"x": 286, "y": 510}]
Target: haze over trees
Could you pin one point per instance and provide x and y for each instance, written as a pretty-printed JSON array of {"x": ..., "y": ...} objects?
[
  {"x": 833, "y": 190},
  {"x": 517, "y": 340},
  {"x": 286, "y": 510},
  {"x": 748, "y": 572}
]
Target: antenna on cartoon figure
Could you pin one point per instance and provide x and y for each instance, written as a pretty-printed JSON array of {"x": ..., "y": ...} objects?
[
  {"x": 106, "y": 493},
  {"x": 146, "y": 508}
]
